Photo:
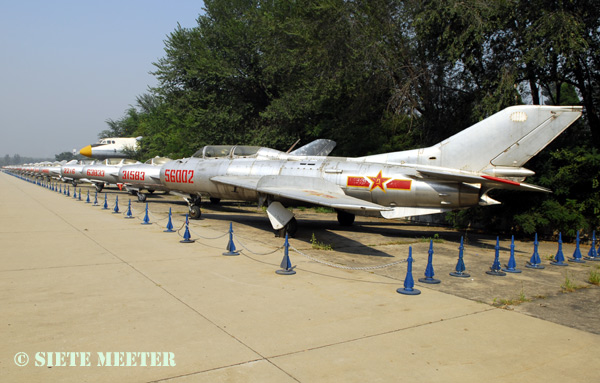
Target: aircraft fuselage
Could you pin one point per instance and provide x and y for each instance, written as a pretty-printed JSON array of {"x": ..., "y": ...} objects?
[{"x": 383, "y": 184}]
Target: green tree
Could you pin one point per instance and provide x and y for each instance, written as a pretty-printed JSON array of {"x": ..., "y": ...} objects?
[{"x": 66, "y": 156}]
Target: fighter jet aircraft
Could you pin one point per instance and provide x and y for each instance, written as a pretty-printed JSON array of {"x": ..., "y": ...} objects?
[
  {"x": 72, "y": 171},
  {"x": 105, "y": 172},
  {"x": 454, "y": 174},
  {"x": 113, "y": 147},
  {"x": 146, "y": 176}
]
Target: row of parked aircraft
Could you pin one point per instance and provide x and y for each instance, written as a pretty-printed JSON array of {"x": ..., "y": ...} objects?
[{"x": 454, "y": 174}]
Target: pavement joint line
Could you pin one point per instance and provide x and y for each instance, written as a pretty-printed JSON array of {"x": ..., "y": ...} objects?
[
  {"x": 322, "y": 274},
  {"x": 85, "y": 234},
  {"x": 212, "y": 369},
  {"x": 212, "y": 322},
  {"x": 386, "y": 332},
  {"x": 62, "y": 267}
]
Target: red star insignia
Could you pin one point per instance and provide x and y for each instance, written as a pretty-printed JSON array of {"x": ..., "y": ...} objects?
[{"x": 379, "y": 181}]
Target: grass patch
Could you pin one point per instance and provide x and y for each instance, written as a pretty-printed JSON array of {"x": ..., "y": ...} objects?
[
  {"x": 319, "y": 245},
  {"x": 321, "y": 209},
  {"x": 594, "y": 278},
  {"x": 436, "y": 238},
  {"x": 512, "y": 302},
  {"x": 568, "y": 286}
]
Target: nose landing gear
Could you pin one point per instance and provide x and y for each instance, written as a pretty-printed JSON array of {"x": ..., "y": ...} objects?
[{"x": 194, "y": 207}]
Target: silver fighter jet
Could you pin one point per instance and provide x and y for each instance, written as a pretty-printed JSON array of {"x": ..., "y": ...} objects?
[
  {"x": 105, "y": 172},
  {"x": 454, "y": 174},
  {"x": 146, "y": 176},
  {"x": 72, "y": 171}
]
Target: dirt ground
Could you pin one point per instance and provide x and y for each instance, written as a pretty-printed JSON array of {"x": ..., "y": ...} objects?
[{"x": 562, "y": 295}]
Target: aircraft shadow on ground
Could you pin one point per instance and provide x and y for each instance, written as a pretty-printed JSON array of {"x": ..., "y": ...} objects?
[
  {"x": 329, "y": 232},
  {"x": 479, "y": 240},
  {"x": 305, "y": 230}
]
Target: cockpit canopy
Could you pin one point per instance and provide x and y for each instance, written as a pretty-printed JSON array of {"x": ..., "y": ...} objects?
[
  {"x": 104, "y": 141},
  {"x": 157, "y": 161},
  {"x": 226, "y": 151},
  {"x": 119, "y": 161}
]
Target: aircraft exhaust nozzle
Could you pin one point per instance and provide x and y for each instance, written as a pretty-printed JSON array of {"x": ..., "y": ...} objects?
[{"x": 86, "y": 151}]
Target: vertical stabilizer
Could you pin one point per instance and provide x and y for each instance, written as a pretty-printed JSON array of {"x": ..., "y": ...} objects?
[{"x": 509, "y": 138}]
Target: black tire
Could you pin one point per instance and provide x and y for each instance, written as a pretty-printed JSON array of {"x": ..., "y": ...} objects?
[
  {"x": 195, "y": 212},
  {"x": 141, "y": 197},
  {"x": 345, "y": 218},
  {"x": 99, "y": 187}
]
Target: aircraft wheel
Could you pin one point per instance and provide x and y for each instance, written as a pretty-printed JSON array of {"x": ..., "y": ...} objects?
[
  {"x": 74, "y": 183},
  {"x": 345, "y": 218},
  {"x": 215, "y": 201},
  {"x": 195, "y": 212},
  {"x": 141, "y": 197},
  {"x": 99, "y": 187}
]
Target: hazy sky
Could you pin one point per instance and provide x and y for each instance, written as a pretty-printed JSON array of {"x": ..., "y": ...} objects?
[{"x": 68, "y": 66}]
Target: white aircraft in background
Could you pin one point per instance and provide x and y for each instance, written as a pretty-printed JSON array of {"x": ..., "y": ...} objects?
[{"x": 111, "y": 147}]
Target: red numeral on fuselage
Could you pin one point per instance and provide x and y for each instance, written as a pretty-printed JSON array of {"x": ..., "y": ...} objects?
[
  {"x": 179, "y": 176},
  {"x": 94, "y": 172},
  {"x": 134, "y": 175}
]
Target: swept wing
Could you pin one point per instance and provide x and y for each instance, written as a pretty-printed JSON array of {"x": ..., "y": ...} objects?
[{"x": 310, "y": 190}]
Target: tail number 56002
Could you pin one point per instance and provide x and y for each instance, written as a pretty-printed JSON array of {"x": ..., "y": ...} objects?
[{"x": 180, "y": 176}]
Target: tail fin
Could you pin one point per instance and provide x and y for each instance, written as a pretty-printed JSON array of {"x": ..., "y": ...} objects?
[{"x": 507, "y": 139}]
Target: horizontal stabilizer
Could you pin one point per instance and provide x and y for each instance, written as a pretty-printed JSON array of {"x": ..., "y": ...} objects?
[{"x": 488, "y": 181}]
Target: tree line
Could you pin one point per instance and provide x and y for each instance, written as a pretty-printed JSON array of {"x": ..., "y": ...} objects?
[
  {"x": 385, "y": 75},
  {"x": 17, "y": 159}
]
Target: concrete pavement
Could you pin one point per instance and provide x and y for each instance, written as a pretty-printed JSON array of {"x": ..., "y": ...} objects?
[{"x": 75, "y": 278}]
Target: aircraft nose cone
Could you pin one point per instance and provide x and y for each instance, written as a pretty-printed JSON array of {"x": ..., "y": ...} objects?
[{"x": 87, "y": 151}]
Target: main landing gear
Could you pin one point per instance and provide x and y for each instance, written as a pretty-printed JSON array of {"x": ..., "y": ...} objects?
[
  {"x": 345, "y": 218},
  {"x": 99, "y": 186}
]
